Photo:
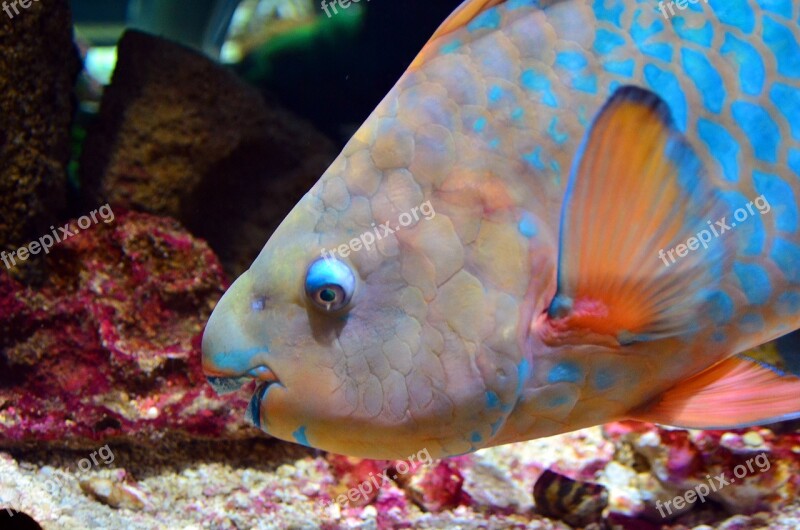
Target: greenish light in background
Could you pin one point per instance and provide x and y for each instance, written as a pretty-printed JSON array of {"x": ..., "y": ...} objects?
[{"x": 100, "y": 63}]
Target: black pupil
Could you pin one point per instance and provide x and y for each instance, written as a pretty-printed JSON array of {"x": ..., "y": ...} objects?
[{"x": 327, "y": 295}]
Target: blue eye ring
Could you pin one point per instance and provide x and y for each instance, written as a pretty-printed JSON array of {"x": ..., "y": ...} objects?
[{"x": 329, "y": 284}]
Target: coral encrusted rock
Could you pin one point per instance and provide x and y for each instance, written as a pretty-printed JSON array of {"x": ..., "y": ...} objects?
[{"x": 109, "y": 346}]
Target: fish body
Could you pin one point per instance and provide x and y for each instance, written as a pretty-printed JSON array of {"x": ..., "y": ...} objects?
[{"x": 540, "y": 229}]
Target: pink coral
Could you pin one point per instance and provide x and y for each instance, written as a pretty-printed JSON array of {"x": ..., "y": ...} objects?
[{"x": 109, "y": 346}]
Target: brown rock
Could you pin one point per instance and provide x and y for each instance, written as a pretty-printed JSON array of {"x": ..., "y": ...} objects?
[
  {"x": 179, "y": 135},
  {"x": 38, "y": 68}
]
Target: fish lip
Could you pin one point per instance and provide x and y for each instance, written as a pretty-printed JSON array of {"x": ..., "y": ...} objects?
[
  {"x": 253, "y": 412},
  {"x": 229, "y": 384}
]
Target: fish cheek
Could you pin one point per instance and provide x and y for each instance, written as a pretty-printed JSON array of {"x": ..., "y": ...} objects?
[{"x": 325, "y": 328}]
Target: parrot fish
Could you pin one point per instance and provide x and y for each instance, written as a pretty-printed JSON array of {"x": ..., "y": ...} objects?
[{"x": 565, "y": 213}]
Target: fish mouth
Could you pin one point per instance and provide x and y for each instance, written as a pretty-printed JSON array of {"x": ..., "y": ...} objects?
[{"x": 229, "y": 384}]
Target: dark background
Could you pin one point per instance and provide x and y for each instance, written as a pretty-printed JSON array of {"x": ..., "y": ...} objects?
[{"x": 336, "y": 84}]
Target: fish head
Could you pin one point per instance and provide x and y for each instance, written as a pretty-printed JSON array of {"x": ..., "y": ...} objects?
[{"x": 363, "y": 330}]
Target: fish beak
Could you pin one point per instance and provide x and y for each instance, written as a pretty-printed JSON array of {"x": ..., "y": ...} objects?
[{"x": 231, "y": 357}]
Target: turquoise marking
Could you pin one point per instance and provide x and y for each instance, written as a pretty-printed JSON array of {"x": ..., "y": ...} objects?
[
  {"x": 479, "y": 125},
  {"x": 585, "y": 83},
  {"x": 476, "y": 437},
  {"x": 781, "y": 41},
  {"x": 495, "y": 143},
  {"x": 523, "y": 374},
  {"x": 516, "y": 4},
  {"x": 489, "y": 19},
  {"x": 604, "y": 379},
  {"x": 640, "y": 35},
  {"x": 755, "y": 282},
  {"x": 786, "y": 256},
  {"x": 450, "y": 47},
  {"x": 492, "y": 400},
  {"x": 749, "y": 63},
  {"x": 694, "y": 7},
  {"x": 781, "y": 7},
  {"x": 495, "y": 93},
  {"x": 526, "y": 226},
  {"x": 610, "y": 14},
  {"x": 575, "y": 62},
  {"x": 624, "y": 68},
  {"x": 751, "y": 323},
  {"x": 760, "y": 128},
  {"x": 706, "y": 78},
  {"x": 238, "y": 361},
  {"x": 794, "y": 160},
  {"x": 689, "y": 167},
  {"x": 534, "y": 158},
  {"x": 736, "y": 13},
  {"x": 666, "y": 85},
  {"x": 787, "y": 100},
  {"x": 558, "y": 137},
  {"x": 538, "y": 82},
  {"x": 517, "y": 113},
  {"x": 750, "y": 234},
  {"x": 582, "y": 119},
  {"x": 781, "y": 198},
  {"x": 606, "y": 41},
  {"x": 722, "y": 146},
  {"x": 721, "y": 308},
  {"x": 300, "y": 436},
  {"x": 701, "y": 36},
  {"x": 661, "y": 50},
  {"x": 572, "y": 61},
  {"x": 566, "y": 372},
  {"x": 789, "y": 303}
]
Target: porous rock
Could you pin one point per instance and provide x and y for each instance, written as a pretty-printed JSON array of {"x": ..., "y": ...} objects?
[
  {"x": 39, "y": 64},
  {"x": 180, "y": 135},
  {"x": 109, "y": 346}
]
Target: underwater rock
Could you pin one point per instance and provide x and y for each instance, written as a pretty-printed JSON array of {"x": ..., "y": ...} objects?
[
  {"x": 439, "y": 487},
  {"x": 109, "y": 346},
  {"x": 38, "y": 67},
  {"x": 179, "y": 135},
  {"x": 730, "y": 472}
]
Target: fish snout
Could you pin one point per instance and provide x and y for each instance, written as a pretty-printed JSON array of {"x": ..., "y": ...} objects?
[{"x": 231, "y": 356}]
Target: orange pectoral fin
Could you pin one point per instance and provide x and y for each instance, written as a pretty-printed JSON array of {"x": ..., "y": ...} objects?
[
  {"x": 735, "y": 393},
  {"x": 637, "y": 188}
]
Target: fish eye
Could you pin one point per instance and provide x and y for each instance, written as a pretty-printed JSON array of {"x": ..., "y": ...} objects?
[{"x": 329, "y": 284}]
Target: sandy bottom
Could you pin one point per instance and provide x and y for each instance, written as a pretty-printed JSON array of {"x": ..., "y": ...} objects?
[{"x": 265, "y": 484}]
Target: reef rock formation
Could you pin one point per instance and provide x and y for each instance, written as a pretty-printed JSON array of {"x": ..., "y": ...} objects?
[
  {"x": 109, "y": 346},
  {"x": 180, "y": 135},
  {"x": 38, "y": 68}
]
